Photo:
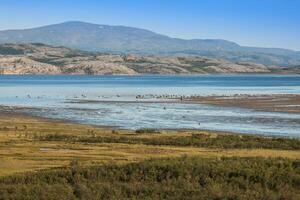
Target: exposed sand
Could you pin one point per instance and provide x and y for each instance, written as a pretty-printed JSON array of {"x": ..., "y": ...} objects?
[{"x": 272, "y": 103}]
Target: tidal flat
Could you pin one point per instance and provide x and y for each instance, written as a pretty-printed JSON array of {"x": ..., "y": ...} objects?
[{"x": 288, "y": 103}]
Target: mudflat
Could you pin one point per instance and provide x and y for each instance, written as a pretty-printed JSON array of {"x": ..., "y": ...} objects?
[{"x": 273, "y": 103}]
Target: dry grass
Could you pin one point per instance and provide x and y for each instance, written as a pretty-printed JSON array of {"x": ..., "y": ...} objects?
[{"x": 20, "y": 151}]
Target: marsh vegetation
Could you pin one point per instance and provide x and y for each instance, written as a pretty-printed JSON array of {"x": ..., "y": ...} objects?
[
  {"x": 42, "y": 159},
  {"x": 172, "y": 178}
]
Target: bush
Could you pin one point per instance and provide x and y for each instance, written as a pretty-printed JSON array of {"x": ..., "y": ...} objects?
[
  {"x": 172, "y": 178},
  {"x": 147, "y": 130}
]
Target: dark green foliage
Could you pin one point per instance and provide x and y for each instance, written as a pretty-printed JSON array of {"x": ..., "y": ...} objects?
[
  {"x": 4, "y": 128},
  {"x": 88, "y": 71},
  {"x": 68, "y": 70},
  {"x": 10, "y": 51},
  {"x": 147, "y": 130},
  {"x": 195, "y": 140},
  {"x": 48, "y": 60},
  {"x": 57, "y": 137},
  {"x": 173, "y": 178}
]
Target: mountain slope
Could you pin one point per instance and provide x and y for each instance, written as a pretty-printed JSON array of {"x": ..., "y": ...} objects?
[
  {"x": 37, "y": 58},
  {"x": 93, "y": 37},
  {"x": 121, "y": 39}
]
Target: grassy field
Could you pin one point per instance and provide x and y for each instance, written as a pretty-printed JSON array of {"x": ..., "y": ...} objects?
[
  {"x": 47, "y": 159},
  {"x": 31, "y": 144}
]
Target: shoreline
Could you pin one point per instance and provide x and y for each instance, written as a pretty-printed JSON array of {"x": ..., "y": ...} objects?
[
  {"x": 28, "y": 116},
  {"x": 264, "y": 103},
  {"x": 16, "y": 114},
  {"x": 153, "y": 74}
]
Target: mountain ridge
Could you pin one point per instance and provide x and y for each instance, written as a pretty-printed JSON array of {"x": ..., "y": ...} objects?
[{"x": 123, "y": 39}]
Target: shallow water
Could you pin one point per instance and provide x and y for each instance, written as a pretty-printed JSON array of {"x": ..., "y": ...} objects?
[{"x": 53, "y": 96}]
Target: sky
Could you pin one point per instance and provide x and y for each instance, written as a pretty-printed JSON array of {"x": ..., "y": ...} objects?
[{"x": 263, "y": 23}]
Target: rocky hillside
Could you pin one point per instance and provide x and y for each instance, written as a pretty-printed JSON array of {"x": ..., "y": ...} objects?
[
  {"x": 38, "y": 58},
  {"x": 122, "y": 39}
]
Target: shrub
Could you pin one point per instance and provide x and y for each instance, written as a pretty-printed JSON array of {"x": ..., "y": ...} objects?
[
  {"x": 147, "y": 130},
  {"x": 171, "y": 178}
]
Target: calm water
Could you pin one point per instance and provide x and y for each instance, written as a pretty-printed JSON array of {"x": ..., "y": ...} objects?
[{"x": 57, "y": 96}]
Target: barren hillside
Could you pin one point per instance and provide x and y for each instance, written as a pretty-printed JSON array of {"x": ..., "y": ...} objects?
[{"x": 38, "y": 58}]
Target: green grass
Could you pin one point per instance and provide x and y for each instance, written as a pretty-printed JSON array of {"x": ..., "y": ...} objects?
[
  {"x": 171, "y": 178},
  {"x": 193, "y": 139}
]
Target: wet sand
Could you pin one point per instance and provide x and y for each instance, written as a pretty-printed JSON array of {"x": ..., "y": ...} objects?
[
  {"x": 17, "y": 112},
  {"x": 289, "y": 103},
  {"x": 268, "y": 123}
]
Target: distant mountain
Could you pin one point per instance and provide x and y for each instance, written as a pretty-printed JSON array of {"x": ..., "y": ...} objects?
[{"x": 122, "y": 39}]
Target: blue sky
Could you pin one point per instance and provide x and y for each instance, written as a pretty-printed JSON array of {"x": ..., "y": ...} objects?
[{"x": 265, "y": 23}]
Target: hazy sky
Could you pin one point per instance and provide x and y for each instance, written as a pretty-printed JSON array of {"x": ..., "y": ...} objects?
[{"x": 266, "y": 23}]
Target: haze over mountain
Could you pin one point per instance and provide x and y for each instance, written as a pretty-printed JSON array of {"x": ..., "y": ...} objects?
[{"x": 122, "y": 39}]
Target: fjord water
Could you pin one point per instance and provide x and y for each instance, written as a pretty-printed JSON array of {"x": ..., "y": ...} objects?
[{"x": 111, "y": 101}]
